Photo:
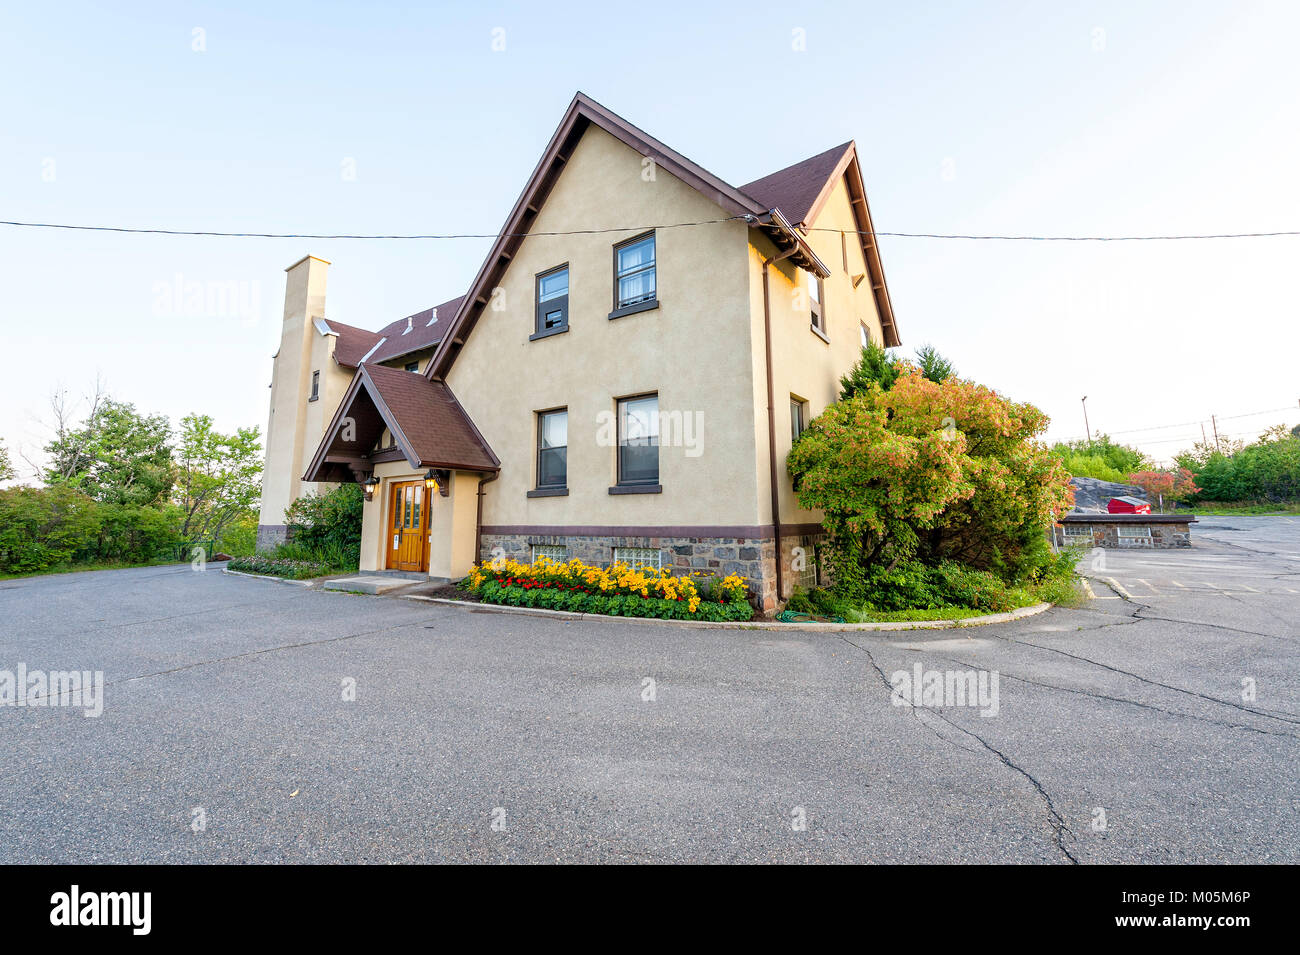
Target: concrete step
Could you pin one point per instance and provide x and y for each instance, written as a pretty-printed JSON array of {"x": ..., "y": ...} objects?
[{"x": 365, "y": 584}]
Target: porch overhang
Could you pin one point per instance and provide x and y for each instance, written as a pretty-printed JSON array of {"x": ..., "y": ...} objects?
[{"x": 428, "y": 426}]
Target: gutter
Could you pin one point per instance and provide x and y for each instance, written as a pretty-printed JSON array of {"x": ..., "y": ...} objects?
[
  {"x": 771, "y": 418},
  {"x": 478, "y": 516}
]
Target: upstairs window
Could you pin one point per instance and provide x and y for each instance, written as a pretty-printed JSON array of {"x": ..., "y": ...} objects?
[
  {"x": 864, "y": 336},
  {"x": 553, "y": 448},
  {"x": 553, "y": 301},
  {"x": 638, "y": 440},
  {"x": 412, "y": 366},
  {"x": 817, "y": 311},
  {"x": 315, "y": 386},
  {"x": 634, "y": 272}
]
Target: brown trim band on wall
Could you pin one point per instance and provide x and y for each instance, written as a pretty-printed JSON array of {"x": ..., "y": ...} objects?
[{"x": 747, "y": 532}]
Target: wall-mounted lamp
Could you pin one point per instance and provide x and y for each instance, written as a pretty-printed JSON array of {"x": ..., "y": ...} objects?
[
  {"x": 370, "y": 484},
  {"x": 431, "y": 479}
]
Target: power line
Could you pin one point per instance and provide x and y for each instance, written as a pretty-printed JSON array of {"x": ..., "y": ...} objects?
[
  {"x": 308, "y": 235},
  {"x": 671, "y": 225}
]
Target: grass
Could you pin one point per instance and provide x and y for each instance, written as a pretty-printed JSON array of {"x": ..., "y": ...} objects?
[
  {"x": 82, "y": 568},
  {"x": 1252, "y": 508}
]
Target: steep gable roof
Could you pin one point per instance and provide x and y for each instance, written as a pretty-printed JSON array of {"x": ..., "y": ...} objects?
[
  {"x": 795, "y": 189},
  {"x": 583, "y": 113},
  {"x": 425, "y": 419}
]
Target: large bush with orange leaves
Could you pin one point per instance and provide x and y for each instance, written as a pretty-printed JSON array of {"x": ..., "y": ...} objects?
[{"x": 930, "y": 471}]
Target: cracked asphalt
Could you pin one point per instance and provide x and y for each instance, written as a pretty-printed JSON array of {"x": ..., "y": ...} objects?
[{"x": 479, "y": 737}]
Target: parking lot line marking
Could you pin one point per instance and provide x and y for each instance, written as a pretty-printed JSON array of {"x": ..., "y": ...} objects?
[
  {"x": 1148, "y": 584},
  {"x": 1177, "y": 584},
  {"x": 1251, "y": 589}
]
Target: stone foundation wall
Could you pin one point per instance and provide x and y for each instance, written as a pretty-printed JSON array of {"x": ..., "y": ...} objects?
[
  {"x": 270, "y": 536},
  {"x": 1164, "y": 535}
]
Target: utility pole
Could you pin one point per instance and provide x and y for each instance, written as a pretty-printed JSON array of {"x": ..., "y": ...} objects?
[
  {"x": 1215, "y": 425},
  {"x": 1086, "y": 430}
]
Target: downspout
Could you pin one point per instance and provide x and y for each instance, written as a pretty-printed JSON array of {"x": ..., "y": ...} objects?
[
  {"x": 478, "y": 516},
  {"x": 771, "y": 420}
]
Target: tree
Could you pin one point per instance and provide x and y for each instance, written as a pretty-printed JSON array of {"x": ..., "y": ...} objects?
[
  {"x": 933, "y": 365},
  {"x": 116, "y": 456},
  {"x": 218, "y": 476},
  {"x": 940, "y": 471},
  {"x": 6, "y": 467},
  {"x": 1162, "y": 486},
  {"x": 875, "y": 367}
]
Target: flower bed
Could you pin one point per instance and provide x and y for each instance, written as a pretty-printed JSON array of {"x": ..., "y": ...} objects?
[
  {"x": 619, "y": 590},
  {"x": 280, "y": 567}
]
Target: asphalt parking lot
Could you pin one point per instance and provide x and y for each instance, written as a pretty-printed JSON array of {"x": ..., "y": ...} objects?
[{"x": 1159, "y": 725}]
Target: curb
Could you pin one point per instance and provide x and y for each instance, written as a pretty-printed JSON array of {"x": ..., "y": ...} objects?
[
  {"x": 277, "y": 580},
  {"x": 964, "y": 622}
]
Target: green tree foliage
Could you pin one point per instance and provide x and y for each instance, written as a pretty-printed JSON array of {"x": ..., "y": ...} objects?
[
  {"x": 116, "y": 456},
  {"x": 218, "y": 479},
  {"x": 42, "y": 528},
  {"x": 6, "y": 466},
  {"x": 934, "y": 366},
  {"x": 875, "y": 367},
  {"x": 1101, "y": 458},
  {"x": 938, "y": 471},
  {"x": 329, "y": 522},
  {"x": 1267, "y": 470}
]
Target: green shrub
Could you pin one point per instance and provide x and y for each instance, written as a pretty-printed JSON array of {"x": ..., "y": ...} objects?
[
  {"x": 42, "y": 528},
  {"x": 133, "y": 534},
  {"x": 329, "y": 523}
]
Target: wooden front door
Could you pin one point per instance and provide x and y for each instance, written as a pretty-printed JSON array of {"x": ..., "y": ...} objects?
[{"x": 408, "y": 530}]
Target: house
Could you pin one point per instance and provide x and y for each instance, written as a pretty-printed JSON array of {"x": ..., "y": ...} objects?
[{"x": 622, "y": 380}]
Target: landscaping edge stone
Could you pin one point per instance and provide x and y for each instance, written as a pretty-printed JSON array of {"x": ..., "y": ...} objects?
[{"x": 746, "y": 624}]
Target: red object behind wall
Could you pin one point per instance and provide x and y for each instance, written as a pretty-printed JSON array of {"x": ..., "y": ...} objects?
[{"x": 1128, "y": 505}]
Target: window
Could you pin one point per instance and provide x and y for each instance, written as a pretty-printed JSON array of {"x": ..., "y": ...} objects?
[
  {"x": 1074, "y": 534},
  {"x": 804, "y": 563},
  {"x": 556, "y": 552},
  {"x": 412, "y": 366},
  {"x": 634, "y": 272},
  {"x": 553, "y": 301},
  {"x": 798, "y": 417},
  {"x": 639, "y": 557},
  {"x": 315, "y": 386},
  {"x": 815, "y": 290},
  {"x": 638, "y": 440},
  {"x": 864, "y": 336},
  {"x": 1130, "y": 535},
  {"x": 553, "y": 448}
]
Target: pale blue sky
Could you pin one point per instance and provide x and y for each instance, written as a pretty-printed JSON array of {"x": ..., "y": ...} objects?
[{"x": 1082, "y": 118}]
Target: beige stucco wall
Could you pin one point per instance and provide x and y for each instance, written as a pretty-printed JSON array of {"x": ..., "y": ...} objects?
[
  {"x": 452, "y": 531},
  {"x": 295, "y": 424},
  {"x": 804, "y": 364},
  {"x": 693, "y": 350}
]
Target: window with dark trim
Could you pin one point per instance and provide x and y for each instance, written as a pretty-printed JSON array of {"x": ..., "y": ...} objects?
[
  {"x": 553, "y": 448},
  {"x": 553, "y": 301},
  {"x": 634, "y": 272},
  {"x": 864, "y": 334},
  {"x": 412, "y": 366},
  {"x": 638, "y": 441},
  {"x": 798, "y": 418},
  {"x": 315, "y": 386},
  {"x": 816, "y": 290}
]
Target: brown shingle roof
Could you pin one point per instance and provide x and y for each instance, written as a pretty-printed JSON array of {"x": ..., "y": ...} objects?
[
  {"x": 422, "y": 334},
  {"x": 352, "y": 343},
  {"x": 795, "y": 189},
  {"x": 436, "y": 428}
]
